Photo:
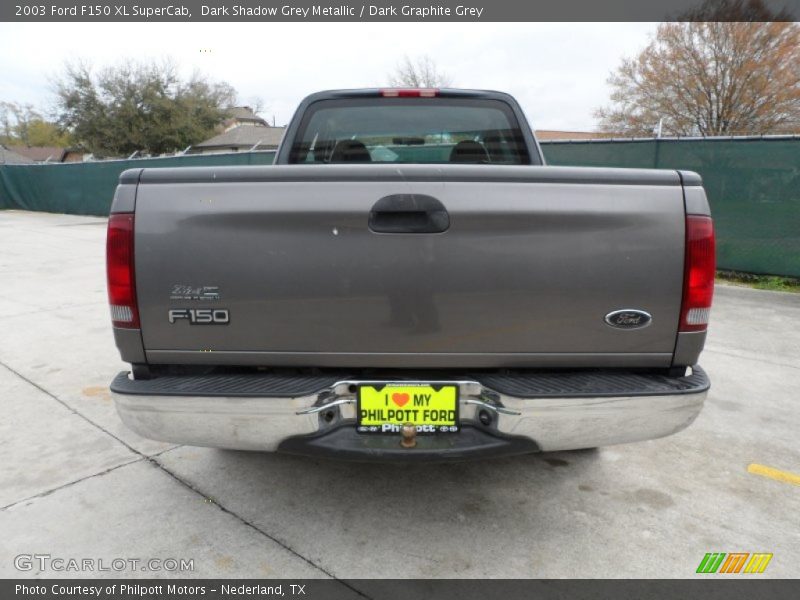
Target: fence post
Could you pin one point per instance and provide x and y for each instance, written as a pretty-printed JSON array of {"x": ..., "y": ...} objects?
[{"x": 657, "y": 153}]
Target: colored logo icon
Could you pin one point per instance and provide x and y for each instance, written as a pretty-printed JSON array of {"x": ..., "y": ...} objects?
[{"x": 734, "y": 562}]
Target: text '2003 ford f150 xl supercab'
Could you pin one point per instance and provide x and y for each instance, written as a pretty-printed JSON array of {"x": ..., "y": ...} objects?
[{"x": 409, "y": 281}]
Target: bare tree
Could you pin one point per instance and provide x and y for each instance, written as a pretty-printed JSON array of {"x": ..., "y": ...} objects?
[
  {"x": 419, "y": 73},
  {"x": 711, "y": 76},
  {"x": 257, "y": 104}
]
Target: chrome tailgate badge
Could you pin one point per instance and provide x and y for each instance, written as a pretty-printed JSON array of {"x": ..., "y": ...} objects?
[{"x": 628, "y": 318}]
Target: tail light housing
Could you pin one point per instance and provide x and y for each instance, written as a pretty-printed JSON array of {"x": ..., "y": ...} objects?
[
  {"x": 699, "y": 271},
  {"x": 120, "y": 271}
]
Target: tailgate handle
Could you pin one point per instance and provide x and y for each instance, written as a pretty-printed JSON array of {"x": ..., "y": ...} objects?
[{"x": 408, "y": 213}]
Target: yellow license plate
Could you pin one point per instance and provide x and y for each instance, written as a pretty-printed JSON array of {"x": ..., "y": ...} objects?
[{"x": 384, "y": 408}]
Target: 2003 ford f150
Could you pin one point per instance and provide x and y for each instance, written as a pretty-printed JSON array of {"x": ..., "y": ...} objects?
[{"x": 409, "y": 281}]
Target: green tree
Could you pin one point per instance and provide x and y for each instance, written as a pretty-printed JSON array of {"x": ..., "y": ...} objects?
[
  {"x": 45, "y": 133},
  {"x": 6, "y": 123},
  {"x": 22, "y": 124},
  {"x": 24, "y": 116},
  {"x": 139, "y": 106}
]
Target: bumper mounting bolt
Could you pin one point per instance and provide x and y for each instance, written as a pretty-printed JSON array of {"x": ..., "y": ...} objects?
[{"x": 409, "y": 433}]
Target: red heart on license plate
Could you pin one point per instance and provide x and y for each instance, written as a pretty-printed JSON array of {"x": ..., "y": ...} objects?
[{"x": 400, "y": 399}]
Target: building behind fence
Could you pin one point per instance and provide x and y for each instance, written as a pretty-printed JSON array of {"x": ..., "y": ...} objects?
[{"x": 753, "y": 186}]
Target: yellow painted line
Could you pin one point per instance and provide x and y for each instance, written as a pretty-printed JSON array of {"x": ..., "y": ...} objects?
[{"x": 775, "y": 474}]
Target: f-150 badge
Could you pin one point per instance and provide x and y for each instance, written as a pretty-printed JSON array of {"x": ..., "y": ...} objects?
[
  {"x": 628, "y": 318},
  {"x": 200, "y": 316}
]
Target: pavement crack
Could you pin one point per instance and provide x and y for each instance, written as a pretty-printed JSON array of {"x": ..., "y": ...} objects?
[
  {"x": 71, "y": 483},
  {"x": 255, "y": 527},
  {"x": 153, "y": 460},
  {"x": 73, "y": 410}
]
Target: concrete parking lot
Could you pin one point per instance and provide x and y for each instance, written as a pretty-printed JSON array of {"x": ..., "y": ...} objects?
[{"x": 75, "y": 483}]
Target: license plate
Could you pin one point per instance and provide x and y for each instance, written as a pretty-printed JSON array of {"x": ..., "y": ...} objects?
[{"x": 385, "y": 408}]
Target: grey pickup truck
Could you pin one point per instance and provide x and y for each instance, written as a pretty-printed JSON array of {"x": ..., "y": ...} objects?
[{"x": 409, "y": 281}]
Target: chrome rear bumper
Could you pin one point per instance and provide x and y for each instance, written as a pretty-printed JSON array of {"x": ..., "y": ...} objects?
[{"x": 551, "y": 422}]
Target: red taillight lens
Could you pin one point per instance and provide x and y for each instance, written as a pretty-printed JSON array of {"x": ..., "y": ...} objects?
[
  {"x": 409, "y": 92},
  {"x": 699, "y": 270},
  {"x": 119, "y": 271}
]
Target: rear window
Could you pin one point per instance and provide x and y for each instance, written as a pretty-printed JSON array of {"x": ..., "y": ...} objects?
[{"x": 410, "y": 130}]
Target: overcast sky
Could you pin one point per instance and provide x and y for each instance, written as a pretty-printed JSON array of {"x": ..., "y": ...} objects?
[{"x": 557, "y": 71}]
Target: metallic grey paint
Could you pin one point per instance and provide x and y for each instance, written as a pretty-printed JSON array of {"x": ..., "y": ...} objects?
[
  {"x": 525, "y": 269},
  {"x": 688, "y": 347},
  {"x": 124, "y": 198},
  {"x": 129, "y": 343},
  {"x": 402, "y": 173},
  {"x": 696, "y": 201},
  {"x": 410, "y": 360}
]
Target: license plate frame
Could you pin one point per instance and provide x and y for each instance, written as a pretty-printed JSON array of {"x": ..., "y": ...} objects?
[{"x": 406, "y": 387}]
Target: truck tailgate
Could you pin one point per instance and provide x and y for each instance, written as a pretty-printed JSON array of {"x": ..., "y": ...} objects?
[{"x": 532, "y": 261}]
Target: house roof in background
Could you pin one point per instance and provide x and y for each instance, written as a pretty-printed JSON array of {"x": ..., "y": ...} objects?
[
  {"x": 245, "y": 136},
  {"x": 12, "y": 158},
  {"x": 242, "y": 114},
  {"x": 40, "y": 153}
]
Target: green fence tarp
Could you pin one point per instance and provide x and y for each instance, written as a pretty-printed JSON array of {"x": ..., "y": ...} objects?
[
  {"x": 87, "y": 188},
  {"x": 753, "y": 186}
]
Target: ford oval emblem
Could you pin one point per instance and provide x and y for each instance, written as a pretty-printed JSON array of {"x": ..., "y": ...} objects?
[{"x": 628, "y": 318}]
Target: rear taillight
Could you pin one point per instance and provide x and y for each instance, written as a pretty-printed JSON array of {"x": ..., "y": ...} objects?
[
  {"x": 409, "y": 92},
  {"x": 119, "y": 271},
  {"x": 699, "y": 270}
]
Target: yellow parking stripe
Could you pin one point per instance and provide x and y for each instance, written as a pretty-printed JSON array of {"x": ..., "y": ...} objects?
[{"x": 775, "y": 474}]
